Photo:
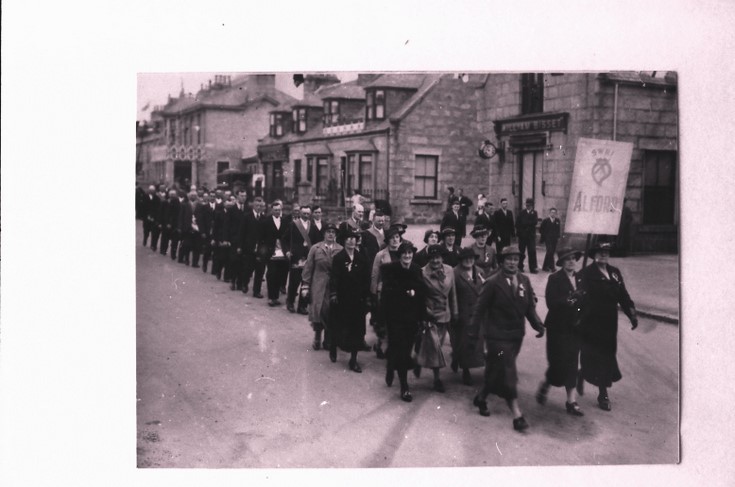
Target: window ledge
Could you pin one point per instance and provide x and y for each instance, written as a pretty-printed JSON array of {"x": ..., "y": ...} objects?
[{"x": 425, "y": 202}]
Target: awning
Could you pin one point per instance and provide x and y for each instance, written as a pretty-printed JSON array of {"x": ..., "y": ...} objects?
[
  {"x": 317, "y": 149},
  {"x": 361, "y": 145}
]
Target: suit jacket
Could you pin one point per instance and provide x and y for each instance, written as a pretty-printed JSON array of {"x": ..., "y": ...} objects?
[
  {"x": 204, "y": 215},
  {"x": 149, "y": 207},
  {"x": 562, "y": 314},
  {"x": 172, "y": 213},
  {"x": 441, "y": 295},
  {"x": 233, "y": 224},
  {"x": 550, "y": 231},
  {"x": 251, "y": 232},
  {"x": 218, "y": 222},
  {"x": 369, "y": 246},
  {"x": 504, "y": 225},
  {"x": 459, "y": 223},
  {"x": 295, "y": 241},
  {"x": 270, "y": 234},
  {"x": 185, "y": 216},
  {"x": 500, "y": 314},
  {"x": 315, "y": 234},
  {"x": 468, "y": 292},
  {"x": 526, "y": 223}
]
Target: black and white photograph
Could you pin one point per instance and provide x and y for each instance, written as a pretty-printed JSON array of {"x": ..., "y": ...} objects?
[{"x": 398, "y": 242}]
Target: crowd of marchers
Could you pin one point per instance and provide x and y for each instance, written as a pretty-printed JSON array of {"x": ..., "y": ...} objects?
[{"x": 338, "y": 274}]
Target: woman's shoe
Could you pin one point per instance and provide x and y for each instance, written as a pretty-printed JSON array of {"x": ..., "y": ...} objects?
[
  {"x": 333, "y": 355},
  {"x": 574, "y": 409},
  {"x": 542, "y": 393},
  {"x": 520, "y": 424},
  {"x": 315, "y": 344},
  {"x": 389, "y": 375},
  {"x": 439, "y": 386},
  {"x": 604, "y": 402},
  {"x": 484, "y": 411},
  {"x": 355, "y": 367},
  {"x": 406, "y": 396},
  {"x": 466, "y": 377}
]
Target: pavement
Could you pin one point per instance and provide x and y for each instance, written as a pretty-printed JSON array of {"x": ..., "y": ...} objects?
[{"x": 652, "y": 279}]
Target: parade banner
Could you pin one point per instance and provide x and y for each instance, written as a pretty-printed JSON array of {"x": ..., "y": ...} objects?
[{"x": 598, "y": 186}]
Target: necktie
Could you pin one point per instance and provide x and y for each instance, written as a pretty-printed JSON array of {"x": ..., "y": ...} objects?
[{"x": 514, "y": 283}]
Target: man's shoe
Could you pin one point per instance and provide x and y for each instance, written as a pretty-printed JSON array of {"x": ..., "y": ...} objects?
[
  {"x": 258, "y": 295},
  {"x": 290, "y": 308},
  {"x": 274, "y": 302},
  {"x": 355, "y": 367},
  {"x": 466, "y": 377},
  {"x": 520, "y": 424},
  {"x": 302, "y": 311},
  {"x": 534, "y": 271},
  {"x": 379, "y": 353},
  {"x": 233, "y": 286},
  {"x": 482, "y": 405},
  {"x": 574, "y": 409},
  {"x": 196, "y": 266},
  {"x": 439, "y": 386},
  {"x": 333, "y": 355}
]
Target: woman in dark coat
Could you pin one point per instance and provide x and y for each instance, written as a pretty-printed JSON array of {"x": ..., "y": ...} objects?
[
  {"x": 604, "y": 289},
  {"x": 431, "y": 237},
  {"x": 562, "y": 339},
  {"x": 349, "y": 286},
  {"x": 468, "y": 282},
  {"x": 404, "y": 307}
]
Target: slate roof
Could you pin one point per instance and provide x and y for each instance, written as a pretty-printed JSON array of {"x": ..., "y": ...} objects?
[
  {"x": 411, "y": 81},
  {"x": 642, "y": 78},
  {"x": 350, "y": 90}
]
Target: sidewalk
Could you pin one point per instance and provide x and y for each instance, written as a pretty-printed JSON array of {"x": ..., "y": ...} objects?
[{"x": 652, "y": 280}]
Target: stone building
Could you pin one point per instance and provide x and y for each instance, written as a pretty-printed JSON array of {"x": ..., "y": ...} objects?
[
  {"x": 536, "y": 119},
  {"x": 399, "y": 138},
  {"x": 214, "y": 130}
]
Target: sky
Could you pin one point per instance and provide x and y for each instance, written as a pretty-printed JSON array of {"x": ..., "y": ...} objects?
[{"x": 154, "y": 88}]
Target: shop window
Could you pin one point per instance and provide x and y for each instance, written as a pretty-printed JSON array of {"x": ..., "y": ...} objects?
[
  {"x": 659, "y": 188},
  {"x": 425, "y": 177},
  {"x": 532, "y": 93}
]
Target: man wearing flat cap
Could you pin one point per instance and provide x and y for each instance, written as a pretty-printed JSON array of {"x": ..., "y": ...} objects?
[
  {"x": 505, "y": 303},
  {"x": 526, "y": 230}
]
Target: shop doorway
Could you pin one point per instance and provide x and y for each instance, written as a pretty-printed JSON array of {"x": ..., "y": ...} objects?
[
  {"x": 531, "y": 176},
  {"x": 182, "y": 173}
]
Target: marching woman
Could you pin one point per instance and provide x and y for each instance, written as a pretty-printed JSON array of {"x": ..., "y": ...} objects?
[
  {"x": 562, "y": 339},
  {"x": 505, "y": 303},
  {"x": 315, "y": 283},
  {"x": 349, "y": 295},
  {"x": 431, "y": 237},
  {"x": 468, "y": 281},
  {"x": 603, "y": 289},
  {"x": 486, "y": 258},
  {"x": 451, "y": 251},
  {"x": 404, "y": 307}
]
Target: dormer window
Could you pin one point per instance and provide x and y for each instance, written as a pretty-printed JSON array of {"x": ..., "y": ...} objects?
[
  {"x": 276, "y": 129},
  {"x": 375, "y": 105},
  {"x": 299, "y": 120},
  {"x": 331, "y": 112}
]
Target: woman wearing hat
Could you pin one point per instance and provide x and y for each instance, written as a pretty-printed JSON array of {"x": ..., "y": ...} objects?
[
  {"x": 392, "y": 238},
  {"x": 486, "y": 258},
  {"x": 431, "y": 237},
  {"x": 404, "y": 306},
  {"x": 451, "y": 251},
  {"x": 441, "y": 303},
  {"x": 598, "y": 325},
  {"x": 315, "y": 283},
  {"x": 349, "y": 287},
  {"x": 468, "y": 282},
  {"x": 506, "y": 301},
  {"x": 562, "y": 340}
]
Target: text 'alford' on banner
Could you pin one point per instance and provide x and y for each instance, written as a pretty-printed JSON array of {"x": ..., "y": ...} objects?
[{"x": 598, "y": 186}]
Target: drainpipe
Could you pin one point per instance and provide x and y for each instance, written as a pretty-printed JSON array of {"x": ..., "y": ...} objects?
[{"x": 615, "y": 114}]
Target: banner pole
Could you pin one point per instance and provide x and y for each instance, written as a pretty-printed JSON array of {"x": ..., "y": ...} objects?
[{"x": 586, "y": 250}]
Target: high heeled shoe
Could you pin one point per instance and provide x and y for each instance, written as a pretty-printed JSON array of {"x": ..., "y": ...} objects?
[
  {"x": 389, "y": 375},
  {"x": 482, "y": 405},
  {"x": 574, "y": 409}
]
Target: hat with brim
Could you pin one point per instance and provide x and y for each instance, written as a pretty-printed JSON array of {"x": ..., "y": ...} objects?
[
  {"x": 390, "y": 232},
  {"x": 406, "y": 246},
  {"x": 330, "y": 226},
  {"x": 467, "y": 253},
  {"x": 446, "y": 231},
  {"x": 479, "y": 230},
  {"x": 434, "y": 250},
  {"x": 606, "y": 246},
  {"x": 565, "y": 252},
  {"x": 428, "y": 234},
  {"x": 348, "y": 232},
  {"x": 509, "y": 250}
]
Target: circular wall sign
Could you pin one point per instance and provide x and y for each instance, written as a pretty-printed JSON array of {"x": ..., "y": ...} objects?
[{"x": 488, "y": 150}]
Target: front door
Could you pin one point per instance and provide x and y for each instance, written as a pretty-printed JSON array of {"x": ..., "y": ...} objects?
[
  {"x": 532, "y": 180},
  {"x": 182, "y": 173}
]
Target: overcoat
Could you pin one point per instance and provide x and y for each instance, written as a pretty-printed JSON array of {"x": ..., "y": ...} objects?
[
  {"x": 382, "y": 257},
  {"x": 458, "y": 222},
  {"x": 350, "y": 283},
  {"x": 486, "y": 260},
  {"x": 562, "y": 339},
  {"x": 316, "y": 275},
  {"x": 504, "y": 226},
  {"x": 404, "y": 307},
  {"x": 468, "y": 291},
  {"x": 599, "y": 323}
]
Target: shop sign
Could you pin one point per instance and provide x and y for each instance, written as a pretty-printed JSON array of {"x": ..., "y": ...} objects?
[
  {"x": 540, "y": 123},
  {"x": 598, "y": 186}
]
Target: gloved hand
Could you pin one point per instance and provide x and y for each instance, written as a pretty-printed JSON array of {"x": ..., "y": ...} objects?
[{"x": 540, "y": 329}]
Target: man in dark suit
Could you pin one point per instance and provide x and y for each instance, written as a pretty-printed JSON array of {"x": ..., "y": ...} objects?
[
  {"x": 373, "y": 239},
  {"x": 316, "y": 231},
  {"x": 456, "y": 220},
  {"x": 149, "y": 213},
  {"x": 203, "y": 214},
  {"x": 274, "y": 234},
  {"x": 550, "y": 232},
  {"x": 219, "y": 251},
  {"x": 189, "y": 230},
  {"x": 504, "y": 225},
  {"x": 233, "y": 228},
  {"x": 172, "y": 220},
  {"x": 297, "y": 244},
  {"x": 353, "y": 222},
  {"x": 464, "y": 204},
  {"x": 250, "y": 236},
  {"x": 526, "y": 230}
]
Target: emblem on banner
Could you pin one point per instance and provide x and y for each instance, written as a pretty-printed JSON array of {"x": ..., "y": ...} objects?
[{"x": 601, "y": 170}]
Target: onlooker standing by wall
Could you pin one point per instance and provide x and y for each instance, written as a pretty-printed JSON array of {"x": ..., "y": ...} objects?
[
  {"x": 504, "y": 225},
  {"x": 526, "y": 230},
  {"x": 550, "y": 232}
]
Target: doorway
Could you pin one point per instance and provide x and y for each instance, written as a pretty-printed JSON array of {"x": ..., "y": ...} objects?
[
  {"x": 531, "y": 175},
  {"x": 182, "y": 173}
]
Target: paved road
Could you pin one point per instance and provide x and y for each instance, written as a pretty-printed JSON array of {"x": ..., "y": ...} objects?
[{"x": 225, "y": 381}]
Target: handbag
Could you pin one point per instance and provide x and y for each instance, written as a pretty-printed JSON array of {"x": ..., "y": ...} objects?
[{"x": 430, "y": 353}]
